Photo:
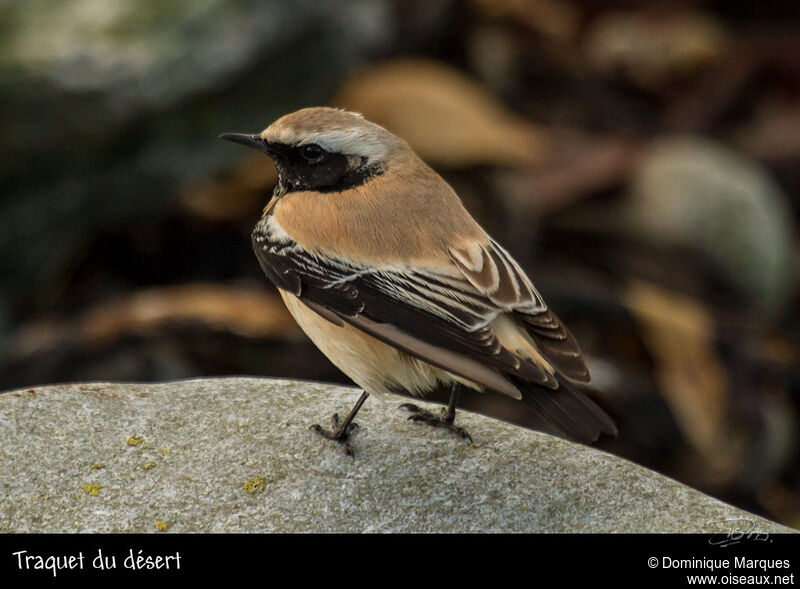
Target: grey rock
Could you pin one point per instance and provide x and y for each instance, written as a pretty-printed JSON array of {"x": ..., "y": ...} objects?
[{"x": 236, "y": 455}]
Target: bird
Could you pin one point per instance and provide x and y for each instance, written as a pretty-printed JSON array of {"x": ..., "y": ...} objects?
[{"x": 382, "y": 266}]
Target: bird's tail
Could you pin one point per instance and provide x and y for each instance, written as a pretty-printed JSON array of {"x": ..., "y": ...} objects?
[{"x": 566, "y": 411}]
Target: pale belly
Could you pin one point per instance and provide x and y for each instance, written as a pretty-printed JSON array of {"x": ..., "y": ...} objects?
[{"x": 374, "y": 366}]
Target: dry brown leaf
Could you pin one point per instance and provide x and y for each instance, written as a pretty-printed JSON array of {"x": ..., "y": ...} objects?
[
  {"x": 679, "y": 332},
  {"x": 447, "y": 118},
  {"x": 556, "y": 19},
  {"x": 249, "y": 312},
  {"x": 653, "y": 49},
  {"x": 584, "y": 166},
  {"x": 240, "y": 193},
  {"x": 774, "y": 133}
]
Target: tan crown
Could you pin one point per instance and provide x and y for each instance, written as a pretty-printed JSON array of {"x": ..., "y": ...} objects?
[{"x": 334, "y": 130}]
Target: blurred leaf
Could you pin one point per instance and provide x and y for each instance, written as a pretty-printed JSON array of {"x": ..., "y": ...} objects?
[
  {"x": 243, "y": 311},
  {"x": 652, "y": 50},
  {"x": 238, "y": 194},
  {"x": 556, "y": 19},
  {"x": 581, "y": 165},
  {"x": 679, "y": 332},
  {"x": 718, "y": 93},
  {"x": 774, "y": 133},
  {"x": 248, "y": 312},
  {"x": 447, "y": 118}
]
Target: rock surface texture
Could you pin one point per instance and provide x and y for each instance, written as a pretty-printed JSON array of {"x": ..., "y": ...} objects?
[{"x": 236, "y": 455}]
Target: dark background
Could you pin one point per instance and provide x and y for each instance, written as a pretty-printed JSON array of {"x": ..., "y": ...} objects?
[{"x": 640, "y": 162}]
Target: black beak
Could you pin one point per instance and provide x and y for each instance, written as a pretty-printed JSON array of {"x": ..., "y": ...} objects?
[{"x": 250, "y": 140}]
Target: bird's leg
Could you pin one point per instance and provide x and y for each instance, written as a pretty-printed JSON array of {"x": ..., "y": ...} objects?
[
  {"x": 445, "y": 418},
  {"x": 340, "y": 431}
]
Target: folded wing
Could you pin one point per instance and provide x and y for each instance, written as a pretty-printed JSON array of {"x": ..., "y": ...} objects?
[{"x": 478, "y": 317}]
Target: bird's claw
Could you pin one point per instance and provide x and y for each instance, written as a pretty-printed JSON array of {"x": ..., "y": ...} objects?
[
  {"x": 443, "y": 419},
  {"x": 337, "y": 433}
]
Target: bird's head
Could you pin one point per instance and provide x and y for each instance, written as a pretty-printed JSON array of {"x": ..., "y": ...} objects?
[{"x": 324, "y": 149}]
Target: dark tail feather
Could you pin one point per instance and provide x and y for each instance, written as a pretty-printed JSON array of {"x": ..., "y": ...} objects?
[{"x": 567, "y": 411}]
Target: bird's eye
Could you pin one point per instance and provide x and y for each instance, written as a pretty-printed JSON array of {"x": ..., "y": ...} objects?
[{"x": 312, "y": 152}]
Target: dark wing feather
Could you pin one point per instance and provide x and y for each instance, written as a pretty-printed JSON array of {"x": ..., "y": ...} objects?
[
  {"x": 556, "y": 343},
  {"x": 495, "y": 272},
  {"x": 442, "y": 318}
]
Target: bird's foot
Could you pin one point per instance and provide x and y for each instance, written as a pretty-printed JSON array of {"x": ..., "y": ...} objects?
[
  {"x": 441, "y": 419},
  {"x": 339, "y": 432}
]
